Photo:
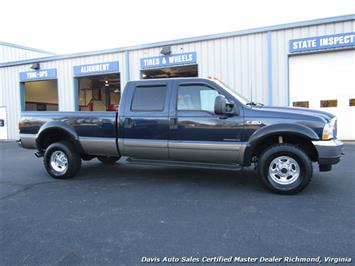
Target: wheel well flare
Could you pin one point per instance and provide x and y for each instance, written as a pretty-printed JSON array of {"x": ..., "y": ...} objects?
[
  {"x": 52, "y": 135},
  {"x": 303, "y": 142}
]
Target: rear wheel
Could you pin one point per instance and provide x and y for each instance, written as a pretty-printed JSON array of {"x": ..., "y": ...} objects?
[
  {"x": 61, "y": 160},
  {"x": 108, "y": 160},
  {"x": 285, "y": 168}
]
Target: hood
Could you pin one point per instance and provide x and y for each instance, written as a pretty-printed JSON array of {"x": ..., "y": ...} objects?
[{"x": 295, "y": 111}]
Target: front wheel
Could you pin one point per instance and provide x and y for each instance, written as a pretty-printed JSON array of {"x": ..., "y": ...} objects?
[
  {"x": 285, "y": 168},
  {"x": 61, "y": 160}
]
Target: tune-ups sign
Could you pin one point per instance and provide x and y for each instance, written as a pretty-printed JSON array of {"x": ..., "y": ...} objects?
[
  {"x": 322, "y": 42},
  {"x": 168, "y": 60},
  {"x": 42, "y": 74}
]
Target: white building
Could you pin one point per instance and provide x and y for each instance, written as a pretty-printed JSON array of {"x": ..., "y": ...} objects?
[{"x": 309, "y": 64}]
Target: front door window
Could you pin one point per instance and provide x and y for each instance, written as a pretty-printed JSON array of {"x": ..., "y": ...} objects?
[{"x": 196, "y": 98}]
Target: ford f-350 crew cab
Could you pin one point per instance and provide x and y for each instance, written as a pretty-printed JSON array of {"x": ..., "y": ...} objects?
[{"x": 193, "y": 120}]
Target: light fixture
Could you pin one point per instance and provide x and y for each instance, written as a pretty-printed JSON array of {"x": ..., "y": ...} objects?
[
  {"x": 35, "y": 66},
  {"x": 166, "y": 50}
]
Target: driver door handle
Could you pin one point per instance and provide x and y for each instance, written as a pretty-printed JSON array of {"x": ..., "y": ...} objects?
[
  {"x": 173, "y": 123},
  {"x": 128, "y": 122}
]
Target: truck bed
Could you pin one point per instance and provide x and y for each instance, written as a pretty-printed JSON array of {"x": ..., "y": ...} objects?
[
  {"x": 86, "y": 124},
  {"x": 95, "y": 131}
]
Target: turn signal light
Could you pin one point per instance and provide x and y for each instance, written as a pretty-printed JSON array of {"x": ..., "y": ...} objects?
[{"x": 325, "y": 136}]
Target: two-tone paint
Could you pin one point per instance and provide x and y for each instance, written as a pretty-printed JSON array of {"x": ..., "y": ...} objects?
[
  {"x": 94, "y": 133},
  {"x": 176, "y": 135}
]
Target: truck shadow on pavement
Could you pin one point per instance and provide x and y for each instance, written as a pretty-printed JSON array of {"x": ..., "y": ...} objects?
[
  {"x": 243, "y": 180},
  {"x": 167, "y": 174}
]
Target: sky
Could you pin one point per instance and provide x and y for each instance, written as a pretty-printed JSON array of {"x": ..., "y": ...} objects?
[{"x": 69, "y": 26}]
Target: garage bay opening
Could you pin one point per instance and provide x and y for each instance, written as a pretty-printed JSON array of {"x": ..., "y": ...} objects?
[
  {"x": 40, "y": 95},
  {"x": 170, "y": 72},
  {"x": 99, "y": 92},
  {"x": 326, "y": 82}
]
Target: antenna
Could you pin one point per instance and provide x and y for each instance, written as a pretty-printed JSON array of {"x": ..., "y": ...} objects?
[{"x": 251, "y": 92}]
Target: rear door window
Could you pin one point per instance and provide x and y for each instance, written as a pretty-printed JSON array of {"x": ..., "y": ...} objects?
[{"x": 149, "y": 98}]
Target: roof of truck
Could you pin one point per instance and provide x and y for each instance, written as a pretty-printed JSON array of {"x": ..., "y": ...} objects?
[{"x": 177, "y": 78}]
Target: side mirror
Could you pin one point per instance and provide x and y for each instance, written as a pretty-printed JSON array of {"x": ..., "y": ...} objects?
[{"x": 222, "y": 106}]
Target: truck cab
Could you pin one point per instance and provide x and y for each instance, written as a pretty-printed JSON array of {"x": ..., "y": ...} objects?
[{"x": 180, "y": 122}]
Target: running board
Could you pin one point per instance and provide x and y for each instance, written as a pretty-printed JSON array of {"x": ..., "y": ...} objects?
[
  {"x": 184, "y": 164},
  {"x": 39, "y": 154}
]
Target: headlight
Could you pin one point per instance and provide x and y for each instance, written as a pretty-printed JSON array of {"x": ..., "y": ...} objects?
[{"x": 329, "y": 130}]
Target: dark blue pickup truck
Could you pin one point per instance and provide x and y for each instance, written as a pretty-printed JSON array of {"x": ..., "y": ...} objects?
[{"x": 192, "y": 120}]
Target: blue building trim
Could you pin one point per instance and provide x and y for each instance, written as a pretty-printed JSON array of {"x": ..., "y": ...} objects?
[
  {"x": 13, "y": 45},
  {"x": 288, "y": 81},
  {"x": 186, "y": 40},
  {"x": 269, "y": 64},
  {"x": 127, "y": 68},
  {"x": 22, "y": 96},
  {"x": 76, "y": 94}
]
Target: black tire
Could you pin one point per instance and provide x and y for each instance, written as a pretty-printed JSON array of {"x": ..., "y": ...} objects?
[
  {"x": 287, "y": 182},
  {"x": 73, "y": 160},
  {"x": 108, "y": 160}
]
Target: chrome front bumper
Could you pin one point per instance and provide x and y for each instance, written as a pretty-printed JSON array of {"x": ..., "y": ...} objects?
[{"x": 329, "y": 151}]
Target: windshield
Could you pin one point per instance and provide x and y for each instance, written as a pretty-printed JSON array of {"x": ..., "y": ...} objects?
[{"x": 239, "y": 97}]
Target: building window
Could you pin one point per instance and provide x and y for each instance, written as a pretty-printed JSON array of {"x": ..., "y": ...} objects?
[
  {"x": 328, "y": 103},
  {"x": 304, "y": 104},
  {"x": 149, "y": 98},
  {"x": 351, "y": 102}
]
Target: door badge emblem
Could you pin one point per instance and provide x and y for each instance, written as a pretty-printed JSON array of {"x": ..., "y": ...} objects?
[{"x": 253, "y": 122}]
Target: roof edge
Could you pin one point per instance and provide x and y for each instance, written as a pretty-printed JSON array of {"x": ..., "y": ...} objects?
[
  {"x": 187, "y": 40},
  {"x": 18, "y": 46}
]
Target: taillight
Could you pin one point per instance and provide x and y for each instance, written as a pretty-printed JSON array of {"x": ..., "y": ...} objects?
[{"x": 21, "y": 125}]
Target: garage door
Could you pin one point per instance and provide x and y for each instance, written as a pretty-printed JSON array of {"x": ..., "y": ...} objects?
[
  {"x": 3, "y": 123},
  {"x": 326, "y": 81}
]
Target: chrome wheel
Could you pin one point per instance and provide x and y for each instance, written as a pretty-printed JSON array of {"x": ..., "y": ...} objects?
[
  {"x": 59, "y": 161},
  {"x": 284, "y": 170}
]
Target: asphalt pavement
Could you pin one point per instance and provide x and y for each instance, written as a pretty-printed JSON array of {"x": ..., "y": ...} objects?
[{"x": 130, "y": 212}]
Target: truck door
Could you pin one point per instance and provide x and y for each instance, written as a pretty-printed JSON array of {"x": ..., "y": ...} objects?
[
  {"x": 196, "y": 132},
  {"x": 145, "y": 124}
]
